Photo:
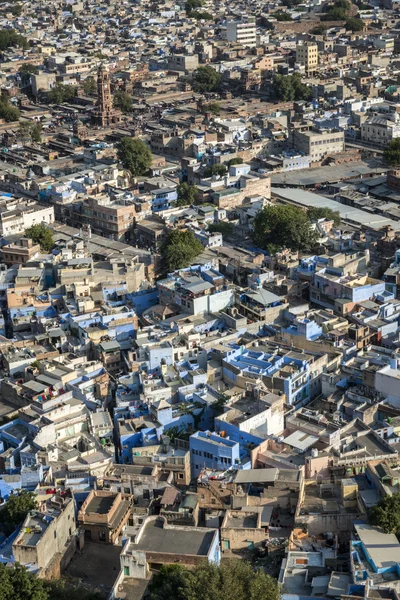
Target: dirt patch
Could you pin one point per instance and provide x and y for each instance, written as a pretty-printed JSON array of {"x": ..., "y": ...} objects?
[{"x": 97, "y": 566}]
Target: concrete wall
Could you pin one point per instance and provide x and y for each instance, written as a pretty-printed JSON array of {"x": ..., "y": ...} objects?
[{"x": 53, "y": 540}]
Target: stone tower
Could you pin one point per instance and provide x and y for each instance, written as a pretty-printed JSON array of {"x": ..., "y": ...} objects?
[
  {"x": 104, "y": 114},
  {"x": 79, "y": 130}
]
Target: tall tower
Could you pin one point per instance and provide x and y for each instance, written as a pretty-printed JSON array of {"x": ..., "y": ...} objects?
[{"x": 104, "y": 114}]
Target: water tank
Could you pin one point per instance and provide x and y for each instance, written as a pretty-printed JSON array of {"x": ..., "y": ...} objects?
[{"x": 314, "y": 452}]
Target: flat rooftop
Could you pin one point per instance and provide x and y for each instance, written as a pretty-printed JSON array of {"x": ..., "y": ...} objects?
[
  {"x": 256, "y": 476},
  {"x": 157, "y": 538},
  {"x": 100, "y": 505},
  {"x": 241, "y": 520},
  {"x": 347, "y": 213},
  {"x": 382, "y": 548}
]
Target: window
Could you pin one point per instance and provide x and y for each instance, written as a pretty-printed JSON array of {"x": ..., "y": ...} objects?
[
  {"x": 126, "y": 571},
  {"x": 180, "y": 475}
]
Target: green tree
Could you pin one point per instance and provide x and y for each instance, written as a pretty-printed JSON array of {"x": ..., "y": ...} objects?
[
  {"x": 232, "y": 580},
  {"x": 319, "y": 29},
  {"x": 219, "y": 169},
  {"x": 187, "y": 194},
  {"x": 282, "y": 15},
  {"x": 31, "y": 130},
  {"x": 135, "y": 155},
  {"x": 212, "y": 107},
  {"x": 335, "y": 14},
  {"x": 171, "y": 581},
  {"x": 123, "y": 101},
  {"x": 283, "y": 226},
  {"x": 25, "y": 73},
  {"x": 320, "y": 212},
  {"x": 41, "y": 234},
  {"x": 10, "y": 38},
  {"x": 234, "y": 161},
  {"x": 60, "y": 589},
  {"x": 61, "y": 93},
  {"x": 179, "y": 249},
  {"x": 26, "y": 586},
  {"x": 391, "y": 153},
  {"x": 344, "y": 4},
  {"x": 90, "y": 86},
  {"x": 15, "y": 510},
  {"x": 290, "y": 87},
  {"x": 354, "y": 24},
  {"x": 291, "y": 3},
  {"x": 16, "y": 583},
  {"x": 206, "y": 79},
  {"x": 191, "y": 5},
  {"x": 16, "y": 10},
  {"x": 386, "y": 514},
  {"x": 202, "y": 14},
  {"x": 8, "y": 111},
  {"x": 36, "y": 133},
  {"x": 221, "y": 227},
  {"x": 25, "y": 128}
]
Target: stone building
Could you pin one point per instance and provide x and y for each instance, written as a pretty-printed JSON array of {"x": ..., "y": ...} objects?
[
  {"x": 46, "y": 534},
  {"x": 103, "y": 516}
]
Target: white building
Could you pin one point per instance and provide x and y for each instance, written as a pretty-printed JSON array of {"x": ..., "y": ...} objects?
[
  {"x": 380, "y": 131},
  {"x": 16, "y": 215},
  {"x": 242, "y": 32}
]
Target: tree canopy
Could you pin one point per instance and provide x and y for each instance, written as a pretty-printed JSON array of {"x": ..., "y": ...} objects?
[
  {"x": 222, "y": 227},
  {"x": 179, "y": 250},
  {"x": 282, "y": 15},
  {"x": 16, "y": 10},
  {"x": 354, "y": 24},
  {"x": 391, "y": 153},
  {"x": 279, "y": 226},
  {"x": 337, "y": 11},
  {"x": 319, "y": 29},
  {"x": 233, "y": 580},
  {"x": 201, "y": 14},
  {"x": 290, "y": 87},
  {"x": 32, "y": 130},
  {"x": 41, "y": 234},
  {"x": 219, "y": 169},
  {"x": 60, "y": 589},
  {"x": 291, "y": 3},
  {"x": 187, "y": 194},
  {"x": 123, "y": 101},
  {"x": 8, "y": 111},
  {"x": 212, "y": 107},
  {"x": 15, "y": 510},
  {"x": 191, "y": 5},
  {"x": 27, "y": 69},
  {"x": 206, "y": 79},
  {"x": 386, "y": 514},
  {"x": 17, "y": 583},
  {"x": 234, "y": 161},
  {"x": 320, "y": 212},
  {"x": 90, "y": 86},
  {"x": 61, "y": 93},
  {"x": 10, "y": 38},
  {"x": 135, "y": 155}
]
